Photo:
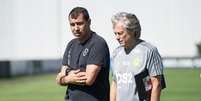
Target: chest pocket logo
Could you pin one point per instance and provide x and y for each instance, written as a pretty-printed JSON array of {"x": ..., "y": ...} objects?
[
  {"x": 136, "y": 62},
  {"x": 85, "y": 52}
]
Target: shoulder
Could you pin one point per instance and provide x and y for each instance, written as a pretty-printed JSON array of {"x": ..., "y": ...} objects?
[
  {"x": 71, "y": 42},
  {"x": 148, "y": 47},
  {"x": 98, "y": 40},
  {"x": 119, "y": 48},
  {"x": 117, "y": 51}
]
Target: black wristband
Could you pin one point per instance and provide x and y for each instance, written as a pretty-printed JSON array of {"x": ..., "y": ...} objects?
[{"x": 68, "y": 70}]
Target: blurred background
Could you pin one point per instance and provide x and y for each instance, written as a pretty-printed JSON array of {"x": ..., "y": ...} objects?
[{"x": 34, "y": 35}]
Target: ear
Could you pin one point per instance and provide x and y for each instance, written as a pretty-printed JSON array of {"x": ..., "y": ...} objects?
[{"x": 136, "y": 34}]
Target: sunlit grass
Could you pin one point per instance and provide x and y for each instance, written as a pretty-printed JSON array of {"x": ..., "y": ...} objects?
[{"x": 182, "y": 85}]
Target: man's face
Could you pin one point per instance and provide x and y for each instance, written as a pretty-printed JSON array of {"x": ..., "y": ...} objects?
[
  {"x": 79, "y": 27},
  {"x": 122, "y": 36}
]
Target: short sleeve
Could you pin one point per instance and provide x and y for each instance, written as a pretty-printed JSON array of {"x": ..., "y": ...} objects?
[
  {"x": 154, "y": 65},
  {"x": 99, "y": 54},
  {"x": 66, "y": 53}
]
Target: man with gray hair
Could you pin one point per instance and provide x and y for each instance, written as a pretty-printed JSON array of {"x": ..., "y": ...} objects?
[{"x": 137, "y": 68}]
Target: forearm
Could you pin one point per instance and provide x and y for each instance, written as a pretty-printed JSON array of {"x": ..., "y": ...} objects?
[
  {"x": 74, "y": 77},
  {"x": 61, "y": 75},
  {"x": 65, "y": 80},
  {"x": 156, "y": 88},
  {"x": 155, "y": 94},
  {"x": 113, "y": 91},
  {"x": 91, "y": 74},
  {"x": 81, "y": 77}
]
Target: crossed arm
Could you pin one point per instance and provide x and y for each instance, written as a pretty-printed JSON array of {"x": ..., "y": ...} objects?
[{"x": 78, "y": 77}]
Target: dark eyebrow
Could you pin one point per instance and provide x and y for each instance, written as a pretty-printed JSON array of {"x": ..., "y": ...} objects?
[
  {"x": 119, "y": 33},
  {"x": 72, "y": 24}
]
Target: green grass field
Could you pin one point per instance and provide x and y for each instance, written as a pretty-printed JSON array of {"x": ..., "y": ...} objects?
[{"x": 182, "y": 85}]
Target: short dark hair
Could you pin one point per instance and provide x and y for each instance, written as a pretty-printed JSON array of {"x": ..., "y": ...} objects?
[{"x": 74, "y": 13}]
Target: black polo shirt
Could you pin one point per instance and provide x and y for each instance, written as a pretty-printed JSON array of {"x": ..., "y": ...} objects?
[{"x": 78, "y": 55}]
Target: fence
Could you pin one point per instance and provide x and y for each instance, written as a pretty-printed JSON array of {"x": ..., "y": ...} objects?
[
  {"x": 182, "y": 62},
  {"x": 14, "y": 68}
]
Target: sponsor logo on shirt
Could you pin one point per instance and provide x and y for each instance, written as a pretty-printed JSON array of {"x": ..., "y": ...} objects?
[
  {"x": 136, "y": 62},
  {"x": 124, "y": 78}
]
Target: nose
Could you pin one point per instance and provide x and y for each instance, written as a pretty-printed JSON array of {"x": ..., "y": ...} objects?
[
  {"x": 76, "y": 27},
  {"x": 117, "y": 37}
]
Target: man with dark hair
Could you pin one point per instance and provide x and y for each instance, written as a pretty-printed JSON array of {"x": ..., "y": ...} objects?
[
  {"x": 137, "y": 69},
  {"x": 85, "y": 65}
]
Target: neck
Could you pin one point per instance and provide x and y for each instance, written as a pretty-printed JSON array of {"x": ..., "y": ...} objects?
[
  {"x": 132, "y": 44},
  {"x": 88, "y": 34}
]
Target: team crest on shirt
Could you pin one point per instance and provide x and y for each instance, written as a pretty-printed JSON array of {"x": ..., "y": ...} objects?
[
  {"x": 85, "y": 52},
  {"x": 136, "y": 62}
]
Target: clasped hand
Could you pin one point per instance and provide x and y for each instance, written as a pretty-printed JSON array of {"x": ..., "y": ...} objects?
[{"x": 77, "y": 77}]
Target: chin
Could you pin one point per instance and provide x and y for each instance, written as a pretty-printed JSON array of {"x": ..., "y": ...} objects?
[
  {"x": 76, "y": 35},
  {"x": 122, "y": 44}
]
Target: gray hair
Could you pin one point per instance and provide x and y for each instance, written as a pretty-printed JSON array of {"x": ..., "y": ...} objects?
[{"x": 130, "y": 22}]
